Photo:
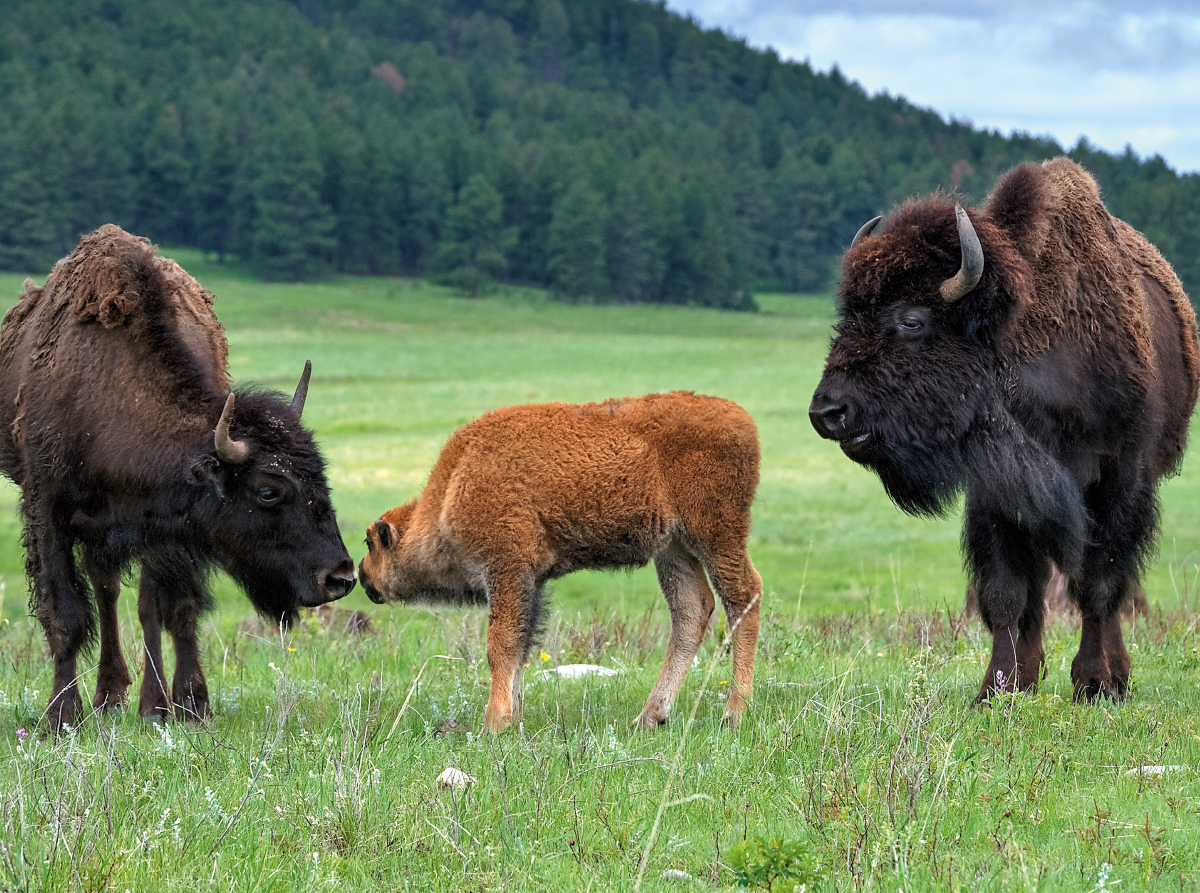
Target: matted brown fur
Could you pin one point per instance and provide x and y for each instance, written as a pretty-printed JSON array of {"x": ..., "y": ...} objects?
[
  {"x": 113, "y": 377},
  {"x": 527, "y": 494}
]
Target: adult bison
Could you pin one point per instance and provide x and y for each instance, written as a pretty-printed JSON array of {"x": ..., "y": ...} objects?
[
  {"x": 527, "y": 494},
  {"x": 117, "y": 423},
  {"x": 1040, "y": 354}
]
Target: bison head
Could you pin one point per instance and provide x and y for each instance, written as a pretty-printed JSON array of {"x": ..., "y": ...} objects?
[
  {"x": 918, "y": 376},
  {"x": 268, "y": 515}
]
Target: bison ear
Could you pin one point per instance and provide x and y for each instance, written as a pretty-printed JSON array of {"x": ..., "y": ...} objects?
[
  {"x": 384, "y": 531},
  {"x": 209, "y": 473}
]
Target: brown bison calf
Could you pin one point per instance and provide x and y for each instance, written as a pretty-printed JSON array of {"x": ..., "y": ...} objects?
[{"x": 527, "y": 494}]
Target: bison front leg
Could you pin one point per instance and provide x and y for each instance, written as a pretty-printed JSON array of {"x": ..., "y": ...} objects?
[
  {"x": 1011, "y": 583},
  {"x": 681, "y": 578},
  {"x": 112, "y": 678},
  {"x": 513, "y": 618},
  {"x": 154, "y": 701},
  {"x": 180, "y": 599}
]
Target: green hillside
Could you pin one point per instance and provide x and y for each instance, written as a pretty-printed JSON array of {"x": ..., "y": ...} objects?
[{"x": 606, "y": 149}]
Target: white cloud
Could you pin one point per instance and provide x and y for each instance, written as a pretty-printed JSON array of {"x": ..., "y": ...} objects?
[{"x": 1083, "y": 68}]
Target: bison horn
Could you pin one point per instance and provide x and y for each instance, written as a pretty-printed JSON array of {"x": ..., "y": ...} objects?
[
  {"x": 971, "y": 269},
  {"x": 865, "y": 230},
  {"x": 302, "y": 389},
  {"x": 233, "y": 452}
]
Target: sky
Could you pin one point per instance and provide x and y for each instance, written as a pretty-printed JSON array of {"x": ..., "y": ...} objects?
[{"x": 1119, "y": 73}]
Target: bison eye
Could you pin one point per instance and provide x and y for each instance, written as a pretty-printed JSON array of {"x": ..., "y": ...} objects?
[
  {"x": 268, "y": 496},
  {"x": 911, "y": 323}
]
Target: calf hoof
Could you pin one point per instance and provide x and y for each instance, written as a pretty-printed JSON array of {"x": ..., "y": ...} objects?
[
  {"x": 732, "y": 719},
  {"x": 646, "y": 722},
  {"x": 494, "y": 723}
]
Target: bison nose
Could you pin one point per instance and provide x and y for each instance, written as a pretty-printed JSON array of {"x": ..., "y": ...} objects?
[
  {"x": 339, "y": 581},
  {"x": 831, "y": 417}
]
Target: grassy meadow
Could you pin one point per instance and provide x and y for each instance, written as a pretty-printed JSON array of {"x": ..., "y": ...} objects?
[{"x": 862, "y": 756}]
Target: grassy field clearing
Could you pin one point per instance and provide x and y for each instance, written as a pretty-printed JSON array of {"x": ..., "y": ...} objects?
[{"x": 861, "y": 744}]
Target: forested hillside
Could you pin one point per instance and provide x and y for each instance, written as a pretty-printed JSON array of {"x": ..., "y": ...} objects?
[{"x": 608, "y": 149}]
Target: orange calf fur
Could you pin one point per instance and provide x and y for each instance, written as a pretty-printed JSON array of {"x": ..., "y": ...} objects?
[{"x": 530, "y": 493}]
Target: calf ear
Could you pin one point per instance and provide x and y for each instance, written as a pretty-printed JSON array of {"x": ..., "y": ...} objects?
[
  {"x": 209, "y": 473},
  {"x": 384, "y": 531}
]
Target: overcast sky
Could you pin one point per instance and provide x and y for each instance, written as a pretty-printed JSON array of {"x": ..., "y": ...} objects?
[{"x": 1116, "y": 72}]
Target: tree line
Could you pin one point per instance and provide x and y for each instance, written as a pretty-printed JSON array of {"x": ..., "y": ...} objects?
[{"x": 605, "y": 149}]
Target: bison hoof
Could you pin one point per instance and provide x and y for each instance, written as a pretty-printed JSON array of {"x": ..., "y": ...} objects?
[
  {"x": 65, "y": 709},
  {"x": 192, "y": 709},
  {"x": 110, "y": 696},
  {"x": 1091, "y": 690}
]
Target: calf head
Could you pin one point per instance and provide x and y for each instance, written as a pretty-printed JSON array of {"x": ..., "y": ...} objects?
[
  {"x": 380, "y": 570},
  {"x": 915, "y": 371},
  {"x": 268, "y": 516}
]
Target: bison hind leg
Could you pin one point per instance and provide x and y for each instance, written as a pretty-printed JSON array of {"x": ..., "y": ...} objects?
[
  {"x": 690, "y": 600},
  {"x": 112, "y": 678}
]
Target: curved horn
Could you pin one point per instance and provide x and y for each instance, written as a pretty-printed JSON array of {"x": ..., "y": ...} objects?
[
  {"x": 302, "y": 389},
  {"x": 865, "y": 230},
  {"x": 234, "y": 452},
  {"x": 968, "y": 274}
]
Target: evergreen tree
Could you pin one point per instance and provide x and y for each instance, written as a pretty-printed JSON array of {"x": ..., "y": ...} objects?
[
  {"x": 576, "y": 245},
  {"x": 472, "y": 251},
  {"x": 212, "y": 190},
  {"x": 163, "y": 211},
  {"x": 290, "y": 237},
  {"x": 27, "y": 243},
  {"x": 636, "y": 253}
]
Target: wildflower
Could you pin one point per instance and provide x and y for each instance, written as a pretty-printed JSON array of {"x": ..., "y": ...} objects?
[
  {"x": 290, "y": 650},
  {"x": 545, "y": 656},
  {"x": 724, "y": 681},
  {"x": 22, "y": 734}
]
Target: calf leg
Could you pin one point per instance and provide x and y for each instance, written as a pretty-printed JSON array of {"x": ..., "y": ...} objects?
[
  {"x": 112, "y": 679},
  {"x": 681, "y": 578},
  {"x": 740, "y": 588},
  {"x": 515, "y": 603}
]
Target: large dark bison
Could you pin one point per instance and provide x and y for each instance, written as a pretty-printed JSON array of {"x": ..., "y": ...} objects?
[
  {"x": 117, "y": 423},
  {"x": 1040, "y": 354}
]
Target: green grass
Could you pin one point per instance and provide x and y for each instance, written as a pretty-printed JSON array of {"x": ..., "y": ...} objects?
[{"x": 861, "y": 743}]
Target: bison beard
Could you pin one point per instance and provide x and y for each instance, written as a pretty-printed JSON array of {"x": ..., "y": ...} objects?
[
  {"x": 117, "y": 423},
  {"x": 1052, "y": 377}
]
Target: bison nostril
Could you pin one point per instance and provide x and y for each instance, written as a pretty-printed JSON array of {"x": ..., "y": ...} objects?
[
  {"x": 340, "y": 580},
  {"x": 828, "y": 416}
]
